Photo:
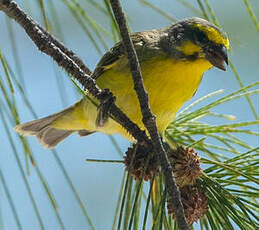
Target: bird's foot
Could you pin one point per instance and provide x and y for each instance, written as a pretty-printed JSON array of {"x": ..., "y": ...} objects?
[{"x": 107, "y": 99}]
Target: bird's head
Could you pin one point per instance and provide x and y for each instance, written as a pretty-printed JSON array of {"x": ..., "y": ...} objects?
[{"x": 194, "y": 38}]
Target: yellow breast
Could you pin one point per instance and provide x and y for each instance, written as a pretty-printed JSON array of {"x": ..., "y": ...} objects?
[{"x": 169, "y": 83}]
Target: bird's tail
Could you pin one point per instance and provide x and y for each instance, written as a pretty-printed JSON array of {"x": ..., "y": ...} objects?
[{"x": 42, "y": 128}]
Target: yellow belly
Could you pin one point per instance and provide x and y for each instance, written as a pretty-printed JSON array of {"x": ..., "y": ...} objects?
[{"x": 169, "y": 83}]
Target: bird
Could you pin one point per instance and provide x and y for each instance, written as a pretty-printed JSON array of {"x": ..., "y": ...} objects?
[{"x": 173, "y": 60}]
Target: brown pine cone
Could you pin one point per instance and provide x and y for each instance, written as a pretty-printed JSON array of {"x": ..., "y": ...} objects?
[
  {"x": 186, "y": 165},
  {"x": 195, "y": 203},
  {"x": 138, "y": 164}
]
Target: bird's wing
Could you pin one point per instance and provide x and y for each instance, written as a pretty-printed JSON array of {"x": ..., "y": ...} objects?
[{"x": 146, "y": 44}]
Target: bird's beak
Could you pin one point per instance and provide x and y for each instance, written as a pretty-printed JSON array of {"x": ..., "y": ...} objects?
[{"x": 217, "y": 56}]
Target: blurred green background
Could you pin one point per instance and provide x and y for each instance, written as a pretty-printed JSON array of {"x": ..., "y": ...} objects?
[{"x": 50, "y": 90}]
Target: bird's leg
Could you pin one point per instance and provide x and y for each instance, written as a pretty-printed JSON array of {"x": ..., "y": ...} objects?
[{"x": 107, "y": 99}]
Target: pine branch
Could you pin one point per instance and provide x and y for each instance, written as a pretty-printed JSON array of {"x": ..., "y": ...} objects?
[
  {"x": 149, "y": 119},
  {"x": 70, "y": 62}
]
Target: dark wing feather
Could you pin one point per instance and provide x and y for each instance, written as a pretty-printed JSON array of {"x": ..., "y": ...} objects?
[
  {"x": 147, "y": 44},
  {"x": 108, "y": 58}
]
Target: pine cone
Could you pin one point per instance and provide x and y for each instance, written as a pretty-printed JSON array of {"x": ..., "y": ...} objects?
[
  {"x": 195, "y": 203},
  {"x": 186, "y": 165},
  {"x": 139, "y": 162}
]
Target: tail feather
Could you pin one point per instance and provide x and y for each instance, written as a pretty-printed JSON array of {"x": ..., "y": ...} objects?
[
  {"x": 83, "y": 132},
  {"x": 42, "y": 128},
  {"x": 49, "y": 137},
  {"x": 33, "y": 127}
]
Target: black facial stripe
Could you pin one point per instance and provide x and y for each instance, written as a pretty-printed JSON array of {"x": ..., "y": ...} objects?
[
  {"x": 196, "y": 35},
  {"x": 177, "y": 54},
  {"x": 192, "y": 57}
]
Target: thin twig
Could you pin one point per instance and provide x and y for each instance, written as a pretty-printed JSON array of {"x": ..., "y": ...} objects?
[
  {"x": 149, "y": 119},
  {"x": 104, "y": 161},
  {"x": 70, "y": 62}
]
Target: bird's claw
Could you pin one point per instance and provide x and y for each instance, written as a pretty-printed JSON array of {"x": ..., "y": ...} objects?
[{"x": 107, "y": 99}]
